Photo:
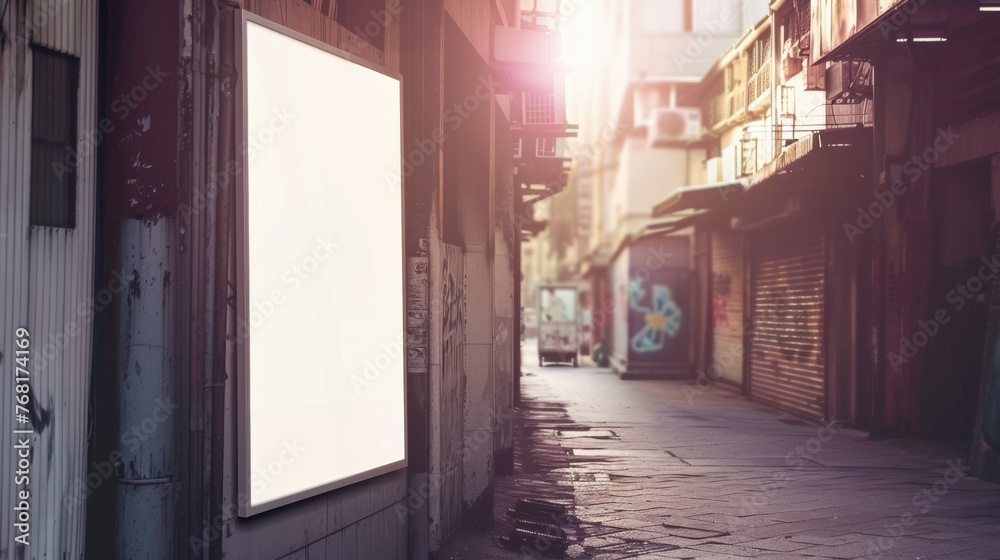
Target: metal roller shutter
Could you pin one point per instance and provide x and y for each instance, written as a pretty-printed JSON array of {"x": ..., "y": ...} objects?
[
  {"x": 788, "y": 285},
  {"x": 727, "y": 307}
]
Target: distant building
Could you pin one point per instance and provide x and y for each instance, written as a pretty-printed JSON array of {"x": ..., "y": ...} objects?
[{"x": 640, "y": 139}]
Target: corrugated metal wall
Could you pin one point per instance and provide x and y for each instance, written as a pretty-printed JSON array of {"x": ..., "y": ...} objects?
[
  {"x": 727, "y": 307},
  {"x": 787, "y": 362},
  {"x": 46, "y": 283}
]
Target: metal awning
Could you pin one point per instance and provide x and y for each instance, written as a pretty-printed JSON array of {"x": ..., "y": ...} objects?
[
  {"x": 677, "y": 223},
  {"x": 867, "y": 42},
  {"x": 699, "y": 197},
  {"x": 862, "y": 45},
  {"x": 847, "y": 141}
]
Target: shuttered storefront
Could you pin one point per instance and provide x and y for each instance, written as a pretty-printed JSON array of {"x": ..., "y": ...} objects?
[
  {"x": 727, "y": 307},
  {"x": 788, "y": 285}
]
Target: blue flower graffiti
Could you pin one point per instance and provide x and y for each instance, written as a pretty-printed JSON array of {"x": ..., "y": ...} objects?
[{"x": 662, "y": 320}]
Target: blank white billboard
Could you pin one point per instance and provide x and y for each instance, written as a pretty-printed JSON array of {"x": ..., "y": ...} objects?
[{"x": 320, "y": 310}]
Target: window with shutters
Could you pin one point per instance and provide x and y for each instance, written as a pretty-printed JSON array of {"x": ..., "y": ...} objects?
[{"x": 54, "y": 159}]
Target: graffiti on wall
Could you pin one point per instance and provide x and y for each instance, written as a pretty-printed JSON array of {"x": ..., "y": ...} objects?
[
  {"x": 452, "y": 303},
  {"x": 449, "y": 434},
  {"x": 658, "y": 294},
  {"x": 722, "y": 285},
  {"x": 661, "y": 314}
]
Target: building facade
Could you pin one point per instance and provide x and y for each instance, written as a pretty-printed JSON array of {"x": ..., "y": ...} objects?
[
  {"x": 640, "y": 139},
  {"x": 849, "y": 221},
  {"x": 121, "y": 145}
]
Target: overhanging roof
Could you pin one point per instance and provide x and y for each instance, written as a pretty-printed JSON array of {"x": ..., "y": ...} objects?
[
  {"x": 854, "y": 140},
  {"x": 700, "y": 197},
  {"x": 863, "y": 44},
  {"x": 897, "y": 21},
  {"x": 676, "y": 224}
]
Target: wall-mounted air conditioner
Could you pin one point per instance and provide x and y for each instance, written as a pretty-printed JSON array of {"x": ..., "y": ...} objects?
[
  {"x": 848, "y": 82},
  {"x": 672, "y": 125}
]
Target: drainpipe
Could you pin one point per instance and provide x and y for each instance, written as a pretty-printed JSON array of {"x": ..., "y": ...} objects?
[
  {"x": 141, "y": 204},
  {"x": 224, "y": 14},
  {"x": 146, "y": 472}
]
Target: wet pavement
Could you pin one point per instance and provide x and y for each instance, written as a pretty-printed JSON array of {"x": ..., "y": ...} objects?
[{"x": 668, "y": 469}]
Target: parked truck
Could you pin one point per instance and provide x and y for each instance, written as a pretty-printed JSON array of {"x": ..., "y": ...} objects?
[{"x": 558, "y": 324}]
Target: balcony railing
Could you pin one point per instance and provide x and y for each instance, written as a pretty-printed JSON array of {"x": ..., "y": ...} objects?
[
  {"x": 760, "y": 83},
  {"x": 727, "y": 106}
]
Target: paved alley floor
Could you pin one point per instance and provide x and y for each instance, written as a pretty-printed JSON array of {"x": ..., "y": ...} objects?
[{"x": 667, "y": 469}]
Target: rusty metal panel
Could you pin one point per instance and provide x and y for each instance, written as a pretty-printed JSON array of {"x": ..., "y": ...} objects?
[
  {"x": 46, "y": 282},
  {"x": 727, "y": 307},
  {"x": 787, "y": 361}
]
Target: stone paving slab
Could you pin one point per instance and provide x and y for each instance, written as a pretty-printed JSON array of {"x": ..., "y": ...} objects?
[{"x": 753, "y": 482}]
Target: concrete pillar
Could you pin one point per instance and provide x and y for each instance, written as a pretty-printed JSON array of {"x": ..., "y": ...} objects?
[{"x": 480, "y": 415}]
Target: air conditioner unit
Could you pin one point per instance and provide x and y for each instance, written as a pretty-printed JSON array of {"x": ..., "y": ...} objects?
[
  {"x": 671, "y": 125},
  {"x": 848, "y": 82}
]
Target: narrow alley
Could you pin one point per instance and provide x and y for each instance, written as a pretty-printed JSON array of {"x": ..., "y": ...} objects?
[
  {"x": 472, "y": 279},
  {"x": 654, "y": 469}
]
